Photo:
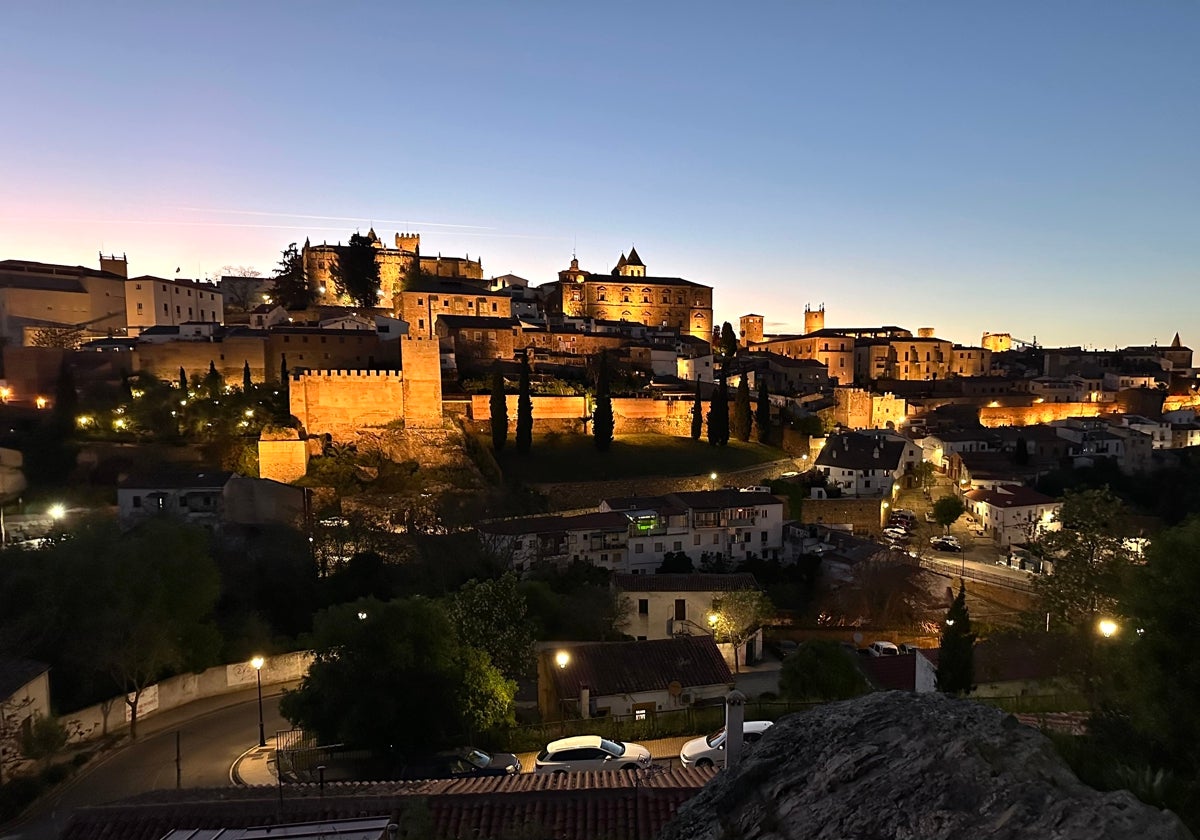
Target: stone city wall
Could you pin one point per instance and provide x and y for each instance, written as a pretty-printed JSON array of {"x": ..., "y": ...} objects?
[
  {"x": 339, "y": 402},
  {"x": 864, "y": 514},
  {"x": 1012, "y": 415}
]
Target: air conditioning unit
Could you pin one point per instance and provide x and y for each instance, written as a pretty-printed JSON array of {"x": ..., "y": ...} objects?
[{"x": 686, "y": 698}]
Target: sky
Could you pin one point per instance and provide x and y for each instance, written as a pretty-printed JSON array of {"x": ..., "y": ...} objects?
[{"x": 1021, "y": 167}]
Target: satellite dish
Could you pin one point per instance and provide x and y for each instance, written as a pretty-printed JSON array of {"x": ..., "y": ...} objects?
[
  {"x": 858, "y": 637},
  {"x": 674, "y": 688}
]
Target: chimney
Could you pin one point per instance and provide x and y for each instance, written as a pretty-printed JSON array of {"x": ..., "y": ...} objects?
[
  {"x": 735, "y": 719},
  {"x": 585, "y": 702}
]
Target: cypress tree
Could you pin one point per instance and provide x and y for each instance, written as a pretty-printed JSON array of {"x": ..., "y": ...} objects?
[
  {"x": 956, "y": 661},
  {"x": 762, "y": 412},
  {"x": 602, "y": 416},
  {"x": 741, "y": 410},
  {"x": 247, "y": 382},
  {"x": 285, "y": 386},
  {"x": 213, "y": 381},
  {"x": 524, "y": 408},
  {"x": 499, "y": 408},
  {"x": 697, "y": 413},
  {"x": 183, "y": 383},
  {"x": 718, "y": 416}
]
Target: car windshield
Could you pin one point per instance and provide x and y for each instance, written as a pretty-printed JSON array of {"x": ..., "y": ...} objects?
[
  {"x": 479, "y": 758},
  {"x": 613, "y": 747},
  {"x": 715, "y": 738}
]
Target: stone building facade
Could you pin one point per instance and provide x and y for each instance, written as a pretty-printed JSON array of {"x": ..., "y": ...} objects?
[
  {"x": 628, "y": 293},
  {"x": 394, "y": 265}
]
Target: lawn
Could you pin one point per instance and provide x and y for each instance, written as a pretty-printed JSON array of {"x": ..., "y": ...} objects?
[{"x": 555, "y": 458}]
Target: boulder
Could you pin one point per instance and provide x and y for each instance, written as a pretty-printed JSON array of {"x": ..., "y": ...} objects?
[{"x": 917, "y": 767}]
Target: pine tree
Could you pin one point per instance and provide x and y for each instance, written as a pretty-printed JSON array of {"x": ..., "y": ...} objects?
[
  {"x": 741, "y": 410},
  {"x": 728, "y": 341},
  {"x": 355, "y": 273},
  {"x": 718, "y": 415},
  {"x": 66, "y": 400},
  {"x": 762, "y": 412},
  {"x": 697, "y": 413},
  {"x": 499, "y": 408},
  {"x": 247, "y": 382},
  {"x": 290, "y": 288},
  {"x": 183, "y": 380},
  {"x": 602, "y": 415},
  {"x": 524, "y": 408},
  {"x": 956, "y": 660}
]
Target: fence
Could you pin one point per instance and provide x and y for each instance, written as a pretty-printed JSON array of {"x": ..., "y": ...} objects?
[{"x": 991, "y": 578}]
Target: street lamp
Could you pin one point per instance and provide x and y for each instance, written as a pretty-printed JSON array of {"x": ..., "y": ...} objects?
[
  {"x": 712, "y": 481},
  {"x": 57, "y": 511},
  {"x": 257, "y": 662},
  {"x": 1107, "y": 627},
  {"x": 562, "y": 658}
]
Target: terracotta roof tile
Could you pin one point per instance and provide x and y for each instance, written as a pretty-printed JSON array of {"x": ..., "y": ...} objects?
[{"x": 629, "y": 667}]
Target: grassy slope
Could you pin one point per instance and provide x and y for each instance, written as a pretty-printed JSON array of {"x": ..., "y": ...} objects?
[{"x": 575, "y": 458}]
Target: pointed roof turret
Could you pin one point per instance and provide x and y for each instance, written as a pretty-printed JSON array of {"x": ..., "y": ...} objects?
[
  {"x": 371, "y": 234},
  {"x": 306, "y": 242},
  {"x": 634, "y": 259},
  {"x": 620, "y": 264},
  {"x": 1175, "y": 341}
]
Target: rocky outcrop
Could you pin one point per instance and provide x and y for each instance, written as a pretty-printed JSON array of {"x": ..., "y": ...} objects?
[{"x": 911, "y": 767}]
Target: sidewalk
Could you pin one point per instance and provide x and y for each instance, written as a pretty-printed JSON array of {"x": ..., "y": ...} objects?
[{"x": 256, "y": 766}]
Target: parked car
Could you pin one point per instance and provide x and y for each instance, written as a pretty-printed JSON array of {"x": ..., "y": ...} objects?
[
  {"x": 894, "y": 533},
  {"x": 908, "y": 647},
  {"x": 463, "y": 763},
  {"x": 590, "y": 752},
  {"x": 882, "y": 649},
  {"x": 945, "y": 543},
  {"x": 710, "y": 750}
]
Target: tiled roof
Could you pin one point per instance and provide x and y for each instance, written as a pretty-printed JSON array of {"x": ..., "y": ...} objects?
[
  {"x": 433, "y": 285},
  {"x": 710, "y": 499},
  {"x": 615, "y": 521},
  {"x": 484, "y": 321},
  {"x": 15, "y": 673},
  {"x": 576, "y": 806},
  {"x": 629, "y": 667},
  {"x": 685, "y": 583},
  {"x": 1009, "y": 496},
  {"x": 181, "y": 480},
  {"x": 853, "y": 451}
]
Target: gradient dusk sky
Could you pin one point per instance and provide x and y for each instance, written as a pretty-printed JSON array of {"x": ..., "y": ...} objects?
[{"x": 1023, "y": 167}]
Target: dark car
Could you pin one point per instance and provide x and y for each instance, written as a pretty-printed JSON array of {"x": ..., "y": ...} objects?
[
  {"x": 463, "y": 763},
  {"x": 945, "y": 544}
]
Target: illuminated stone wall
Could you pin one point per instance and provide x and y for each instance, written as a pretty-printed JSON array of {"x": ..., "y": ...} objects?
[
  {"x": 282, "y": 458},
  {"x": 422, "y": 385},
  {"x": 338, "y": 402},
  {"x": 1014, "y": 415}
]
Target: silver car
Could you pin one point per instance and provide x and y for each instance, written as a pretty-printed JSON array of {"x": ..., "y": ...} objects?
[
  {"x": 590, "y": 752},
  {"x": 710, "y": 750}
]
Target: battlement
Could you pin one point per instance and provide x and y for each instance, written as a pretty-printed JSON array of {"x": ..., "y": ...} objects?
[{"x": 347, "y": 374}]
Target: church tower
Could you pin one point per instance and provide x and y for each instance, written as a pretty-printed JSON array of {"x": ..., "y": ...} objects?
[{"x": 814, "y": 319}]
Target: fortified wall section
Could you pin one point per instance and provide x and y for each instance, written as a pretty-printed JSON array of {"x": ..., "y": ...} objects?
[
  {"x": 339, "y": 402},
  {"x": 1014, "y": 415},
  {"x": 421, "y": 404},
  {"x": 856, "y": 408},
  {"x": 566, "y": 414},
  {"x": 866, "y": 515}
]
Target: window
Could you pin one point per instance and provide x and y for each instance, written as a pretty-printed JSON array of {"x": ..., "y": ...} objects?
[
  {"x": 637, "y": 549},
  {"x": 643, "y": 606},
  {"x": 603, "y": 558},
  {"x": 680, "y": 609},
  {"x": 764, "y": 536},
  {"x": 137, "y": 501},
  {"x": 139, "y": 309},
  {"x": 695, "y": 539},
  {"x": 716, "y": 539},
  {"x": 678, "y": 545},
  {"x": 658, "y": 546}
]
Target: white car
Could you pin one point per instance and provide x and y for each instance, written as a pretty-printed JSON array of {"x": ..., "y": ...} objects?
[
  {"x": 882, "y": 649},
  {"x": 710, "y": 750},
  {"x": 590, "y": 752}
]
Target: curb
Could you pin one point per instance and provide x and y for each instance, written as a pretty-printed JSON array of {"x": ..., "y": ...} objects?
[{"x": 235, "y": 777}]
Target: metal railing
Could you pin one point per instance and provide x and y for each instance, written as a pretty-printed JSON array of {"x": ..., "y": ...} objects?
[{"x": 949, "y": 569}]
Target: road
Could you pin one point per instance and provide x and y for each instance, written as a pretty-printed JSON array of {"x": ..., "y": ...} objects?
[{"x": 212, "y": 734}]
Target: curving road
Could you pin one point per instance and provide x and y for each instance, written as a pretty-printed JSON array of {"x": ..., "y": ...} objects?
[{"x": 212, "y": 734}]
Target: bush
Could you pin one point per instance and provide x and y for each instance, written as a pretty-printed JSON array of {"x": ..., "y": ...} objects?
[
  {"x": 17, "y": 794},
  {"x": 820, "y": 670},
  {"x": 55, "y": 773}
]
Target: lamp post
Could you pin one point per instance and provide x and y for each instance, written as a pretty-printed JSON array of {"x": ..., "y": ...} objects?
[
  {"x": 257, "y": 662},
  {"x": 712, "y": 481}
]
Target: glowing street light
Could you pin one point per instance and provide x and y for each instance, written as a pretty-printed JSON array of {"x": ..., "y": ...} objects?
[
  {"x": 1107, "y": 627},
  {"x": 562, "y": 658},
  {"x": 257, "y": 662},
  {"x": 57, "y": 511},
  {"x": 712, "y": 481}
]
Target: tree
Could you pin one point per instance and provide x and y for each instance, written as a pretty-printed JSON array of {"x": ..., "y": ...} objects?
[
  {"x": 66, "y": 399},
  {"x": 1089, "y": 553},
  {"x": 741, "y": 410},
  {"x": 1021, "y": 452},
  {"x": 524, "y": 408},
  {"x": 697, "y": 413},
  {"x": 739, "y": 615},
  {"x": 729, "y": 344},
  {"x": 290, "y": 288},
  {"x": 356, "y": 273},
  {"x": 675, "y": 562},
  {"x": 821, "y": 670},
  {"x": 238, "y": 283},
  {"x": 285, "y": 385},
  {"x": 65, "y": 338},
  {"x": 492, "y": 615},
  {"x": 247, "y": 382},
  {"x": 956, "y": 662},
  {"x": 498, "y": 404},
  {"x": 394, "y": 678},
  {"x": 947, "y": 509},
  {"x": 214, "y": 383},
  {"x": 602, "y": 415},
  {"x": 718, "y": 416},
  {"x": 183, "y": 380},
  {"x": 413, "y": 274},
  {"x": 762, "y": 412}
]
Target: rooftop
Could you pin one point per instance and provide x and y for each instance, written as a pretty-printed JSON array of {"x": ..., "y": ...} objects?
[
  {"x": 685, "y": 582},
  {"x": 630, "y": 667}
]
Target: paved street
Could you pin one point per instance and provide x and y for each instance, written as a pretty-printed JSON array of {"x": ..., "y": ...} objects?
[{"x": 213, "y": 733}]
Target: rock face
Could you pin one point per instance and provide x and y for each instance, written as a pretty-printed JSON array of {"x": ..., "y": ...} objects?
[{"x": 910, "y": 767}]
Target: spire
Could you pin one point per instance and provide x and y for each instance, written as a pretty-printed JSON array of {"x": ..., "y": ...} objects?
[
  {"x": 621, "y": 263},
  {"x": 306, "y": 242},
  {"x": 1175, "y": 341},
  {"x": 634, "y": 259}
]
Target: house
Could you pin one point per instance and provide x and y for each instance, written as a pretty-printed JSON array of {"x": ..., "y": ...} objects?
[
  {"x": 937, "y": 447},
  {"x": 906, "y": 672},
  {"x": 24, "y": 697},
  {"x": 266, "y": 315},
  {"x": 1013, "y": 514},
  {"x": 631, "y": 679},
  {"x": 600, "y": 539},
  {"x": 1016, "y": 667},
  {"x": 195, "y": 496},
  {"x": 157, "y": 301},
  {"x": 665, "y": 606},
  {"x": 868, "y": 465},
  {"x": 261, "y": 501}
]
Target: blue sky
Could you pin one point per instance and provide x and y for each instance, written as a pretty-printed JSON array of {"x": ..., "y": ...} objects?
[{"x": 1022, "y": 167}]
